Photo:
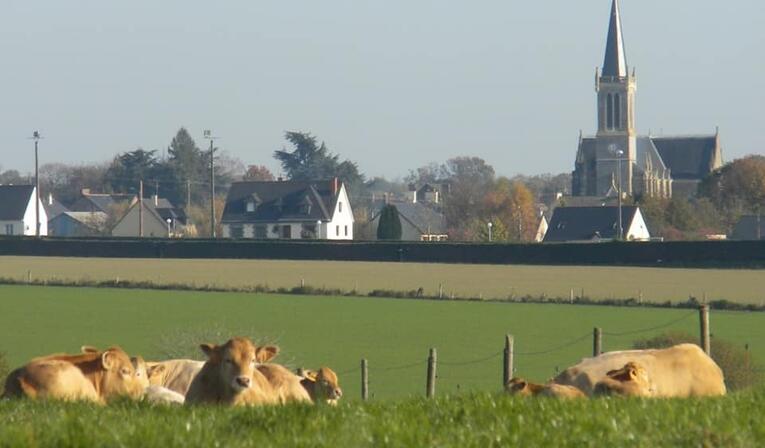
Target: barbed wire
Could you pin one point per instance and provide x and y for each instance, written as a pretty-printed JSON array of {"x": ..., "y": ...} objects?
[
  {"x": 475, "y": 361},
  {"x": 400, "y": 367},
  {"x": 554, "y": 349},
  {"x": 645, "y": 330}
]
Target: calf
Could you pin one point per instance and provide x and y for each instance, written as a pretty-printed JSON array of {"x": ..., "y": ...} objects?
[
  {"x": 285, "y": 384},
  {"x": 630, "y": 380},
  {"x": 174, "y": 374},
  {"x": 523, "y": 388},
  {"x": 322, "y": 385}
]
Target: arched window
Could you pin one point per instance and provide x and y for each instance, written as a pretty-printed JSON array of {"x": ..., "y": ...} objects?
[
  {"x": 617, "y": 112},
  {"x": 610, "y": 112}
]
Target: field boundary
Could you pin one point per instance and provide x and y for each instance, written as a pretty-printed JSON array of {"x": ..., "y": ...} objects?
[{"x": 419, "y": 294}]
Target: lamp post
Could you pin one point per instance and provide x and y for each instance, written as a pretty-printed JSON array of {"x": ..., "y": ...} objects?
[
  {"x": 318, "y": 229},
  {"x": 168, "y": 226},
  {"x": 619, "y": 153},
  {"x": 489, "y": 225},
  {"x": 208, "y": 135},
  {"x": 36, "y": 137}
]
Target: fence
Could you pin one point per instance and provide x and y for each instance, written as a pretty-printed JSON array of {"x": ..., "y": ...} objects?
[{"x": 509, "y": 354}]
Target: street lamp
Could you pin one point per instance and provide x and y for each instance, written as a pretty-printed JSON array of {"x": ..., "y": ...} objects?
[
  {"x": 168, "y": 226},
  {"x": 208, "y": 135},
  {"x": 318, "y": 229},
  {"x": 36, "y": 137},
  {"x": 619, "y": 153},
  {"x": 489, "y": 225}
]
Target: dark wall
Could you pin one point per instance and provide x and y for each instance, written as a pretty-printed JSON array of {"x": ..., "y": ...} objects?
[{"x": 702, "y": 253}]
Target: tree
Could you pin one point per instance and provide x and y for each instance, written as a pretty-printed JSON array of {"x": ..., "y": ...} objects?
[
  {"x": 512, "y": 203},
  {"x": 185, "y": 163},
  {"x": 736, "y": 188},
  {"x": 470, "y": 179},
  {"x": 389, "y": 225},
  {"x": 128, "y": 168},
  {"x": 12, "y": 177},
  {"x": 258, "y": 173},
  {"x": 66, "y": 182}
]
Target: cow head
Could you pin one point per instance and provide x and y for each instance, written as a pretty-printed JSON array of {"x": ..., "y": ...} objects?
[
  {"x": 141, "y": 370},
  {"x": 326, "y": 385},
  {"x": 631, "y": 380},
  {"x": 235, "y": 362},
  {"x": 118, "y": 375},
  {"x": 521, "y": 387}
]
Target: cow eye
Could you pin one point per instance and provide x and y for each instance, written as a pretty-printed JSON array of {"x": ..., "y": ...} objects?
[{"x": 125, "y": 371}]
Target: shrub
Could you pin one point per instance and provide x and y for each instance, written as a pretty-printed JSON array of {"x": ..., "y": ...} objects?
[
  {"x": 740, "y": 370},
  {"x": 389, "y": 225}
]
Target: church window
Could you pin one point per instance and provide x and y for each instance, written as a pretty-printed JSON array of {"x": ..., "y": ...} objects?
[
  {"x": 610, "y": 112},
  {"x": 617, "y": 112}
]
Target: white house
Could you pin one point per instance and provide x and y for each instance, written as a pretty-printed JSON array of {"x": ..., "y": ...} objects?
[
  {"x": 17, "y": 211},
  {"x": 288, "y": 210},
  {"x": 596, "y": 224}
]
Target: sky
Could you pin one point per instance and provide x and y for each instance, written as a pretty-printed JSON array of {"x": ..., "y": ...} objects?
[{"x": 391, "y": 85}]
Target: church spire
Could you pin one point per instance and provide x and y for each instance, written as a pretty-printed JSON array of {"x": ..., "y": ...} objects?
[{"x": 615, "y": 62}]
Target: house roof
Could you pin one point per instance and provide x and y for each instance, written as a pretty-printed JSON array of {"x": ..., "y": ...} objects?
[
  {"x": 587, "y": 223},
  {"x": 88, "y": 219},
  {"x": 281, "y": 201},
  {"x": 54, "y": 209},
  {"x": 615, "y": 61},
  {"x": 746, "y": 228},
  {"x": 89, "y": 202},
  {"x": 425, "y": 219},
  {"x": 688, "y": 157},
  {"x": 14, "y": 200}
]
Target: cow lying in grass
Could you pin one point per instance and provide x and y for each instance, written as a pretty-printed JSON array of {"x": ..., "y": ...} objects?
[
  {"x": 230, "y": 375},
  {"x": 97, "y": 376},
  {"x": 285, "y": 384},
  {"x": 680, "y": 371},
  {"x": 523, "y": 388},
  {"x": 174, "y": 374},
  {"x": 322, "y": 385}
]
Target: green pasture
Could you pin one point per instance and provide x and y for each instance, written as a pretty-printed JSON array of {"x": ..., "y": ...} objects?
[
  {"x": 487, "y": 281},
  {"x": 393, "y": 334},
  {"x": 468, "y": 420}
]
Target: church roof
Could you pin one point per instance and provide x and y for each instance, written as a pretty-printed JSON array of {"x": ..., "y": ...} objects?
[
  {"x": 615, "y": 62},
  {"x": 688, "y": 157}
]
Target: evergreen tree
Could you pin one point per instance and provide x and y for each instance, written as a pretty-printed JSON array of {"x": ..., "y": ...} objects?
[{"x": 389, "y": 226}]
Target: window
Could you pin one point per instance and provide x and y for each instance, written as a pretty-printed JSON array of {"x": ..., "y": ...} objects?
[
  {"x": 236, "y": 231},
  {"x": 250, "y": 206},
  {"x": 610, "y": 111},
  {"x": 9, "y": 229},
  {"x": 260, "y": 232},
  {"x": 337, "y": 230},
  {"x": 346, "y": 230},
  {"x": 287, "y": 232},
  {"x": 340, "y": 207},
  {"x": 617, "y": 112}
]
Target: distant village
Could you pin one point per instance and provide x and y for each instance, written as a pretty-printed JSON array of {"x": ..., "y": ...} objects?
[{"x": 623, "y": 186}]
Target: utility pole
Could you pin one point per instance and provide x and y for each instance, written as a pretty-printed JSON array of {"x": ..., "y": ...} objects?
[
  {"x": 140, "y": 208},
  {"x": 188, "y": 194},
  {"x": 208, "y": 135},
  {"x": 36, "y": 137}
]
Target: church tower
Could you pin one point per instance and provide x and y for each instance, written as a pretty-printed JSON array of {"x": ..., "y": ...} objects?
[{"x": 616, "y": 137}]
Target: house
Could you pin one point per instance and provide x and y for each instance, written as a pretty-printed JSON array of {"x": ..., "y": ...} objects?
[
  {"x": 161, "y": 219},
  {"x": 749, "y": 227},
  {"x": 419, "y": 222},
  {"x": 18, "y": 211},
  {"x": 53, "y": 207},
  {"x": 77, "y": 224},
  {"x": 100, "y": 202},
  {"x": 288, "y": 210},
  {"x": 542, "y": 227},
  {"x": 596, "y": 224}
]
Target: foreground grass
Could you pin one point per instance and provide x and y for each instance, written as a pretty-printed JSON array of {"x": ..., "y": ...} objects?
[
  {"x": 488, "y": 281},
  {"x": 394, "y": 335},
  {"x": 476, "y": 420}
]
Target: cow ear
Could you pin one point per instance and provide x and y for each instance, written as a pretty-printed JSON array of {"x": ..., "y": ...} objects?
[
  {"x": 88, "y": 349},
  {"x": 311, "y": 375},
  {"x": 266, "y": 353},
  {"x": 208, "y": 349},
  {"x": 137, "y": 361},
  {"x": 107, "y": 359}
]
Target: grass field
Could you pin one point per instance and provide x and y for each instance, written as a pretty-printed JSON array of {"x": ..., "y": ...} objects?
[
  {"x": 489, "y": 281},
  {"x": 394, "y": 334},
  {"x": 473, "y": 420}
]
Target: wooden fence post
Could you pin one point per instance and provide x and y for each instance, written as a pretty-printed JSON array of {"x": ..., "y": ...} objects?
[
  {"x": 364, "y": 380},
  {"x": 507, "y": 365},
  {"x": 430, "y": 390},
  {"x": 704, "y": 327},
  {"x": 597, "y": 341}
]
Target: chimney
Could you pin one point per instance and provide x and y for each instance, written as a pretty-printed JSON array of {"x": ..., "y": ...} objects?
[
  {"x": 335, "y": 186},
  {"x": 50, "y": 198},
  {"x": 156, "y": 200}
]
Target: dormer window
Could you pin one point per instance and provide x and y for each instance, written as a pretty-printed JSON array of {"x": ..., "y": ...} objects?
[
  {"x": 251, "y": 203},
  {"x": 250, "y": 206}
]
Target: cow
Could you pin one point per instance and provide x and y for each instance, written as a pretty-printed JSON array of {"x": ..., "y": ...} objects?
[
  {"x": 631, "y": 380},
  {"x": 92, "y": 376},
  {"x": 680, "y": 371},
  {"x": 162, "y": 395},
  {"x": 523, "y": 388},
  {"x": 230, "y": 377},
  {"x": 174, "y": 374},
  {"x": 285, "y": 384},
  {"x": 322, "y": 385}
]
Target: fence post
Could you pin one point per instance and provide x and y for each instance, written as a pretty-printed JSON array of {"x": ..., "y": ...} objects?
[
  {"x": 704, "y": 327},
  {"x": 430, "y": 390},
  {"x": 364, "y": 380},
  {"x": 440, "y": 291},
  {"x": 507, "y": 365},
  {"x": 597, "y": 341}
]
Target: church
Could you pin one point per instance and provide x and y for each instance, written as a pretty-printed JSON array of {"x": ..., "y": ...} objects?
[{"x": 616, "y": 159}]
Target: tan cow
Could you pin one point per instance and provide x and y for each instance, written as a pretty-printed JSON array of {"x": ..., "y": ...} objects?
[
  {"x": 680, "y": 371},
  {"x": 523, "y": 388},
  {"x": 285, "y": 384},
  {"x": 162, "y": 395},
  {"x": 93, "y": 376},
  {"x": 631, "y": 380},
  {"x": 174, "y": 374},
  {"x": 230, "y": 375},
  {"x": 322, "y": 385}
]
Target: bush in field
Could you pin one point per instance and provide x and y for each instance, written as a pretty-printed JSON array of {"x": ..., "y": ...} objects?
[{"x": 736, "y": 362}]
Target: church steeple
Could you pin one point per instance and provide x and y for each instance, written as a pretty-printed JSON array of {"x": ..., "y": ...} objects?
[{"x": 615, "y": 61}]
